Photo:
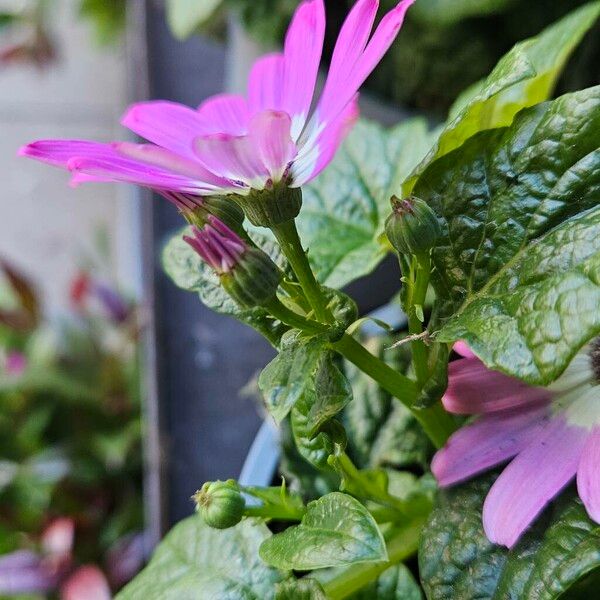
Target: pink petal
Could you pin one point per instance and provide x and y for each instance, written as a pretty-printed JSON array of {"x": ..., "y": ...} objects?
[
  {"x": 59, "y": 152},
  {"x": 588, "y": 475},
  {"x": 488, "y": 441},
  {"x": 270, "y": 133},
  {"x": 265, "y": 88},
  {"x": 233, "y": 157},
  {"x": 57, "y": 538},
  {"x": 531, "y": 481},
  {"x": 87, "y": 583},
  {"x": 226, "y": 113},
  {"x": 318, "y": 152},
  {"x": 475, "y": 389},
  {"x": 303, "y": 49},
  {"x": 168, "y": 124},
  {"x": 461, "y": 348}
]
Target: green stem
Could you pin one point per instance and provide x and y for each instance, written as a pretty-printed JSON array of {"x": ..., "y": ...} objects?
[
  {"x": 436, "y": 422},
  {"x": 401, "y": 546},
  {"x": 289, "y": 240},
  {"x": 420, "y": 273},
  {"x": 293, "y": 319}
]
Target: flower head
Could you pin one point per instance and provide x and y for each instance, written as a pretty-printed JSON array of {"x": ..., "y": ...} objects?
[
  {"x": 234, "y": 144},
  {"x": 551, "y": 434}
]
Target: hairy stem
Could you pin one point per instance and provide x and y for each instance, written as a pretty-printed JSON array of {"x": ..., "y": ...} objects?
[{"x": 419, "y": 282}]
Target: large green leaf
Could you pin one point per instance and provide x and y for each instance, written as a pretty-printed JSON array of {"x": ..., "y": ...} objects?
[
  {"x": 523, "y": 77},
  {"x": 560, "y": 552},
  {"x": 444, "y": 13},
  {"x": 396, "y": 583},
  {"x": 185, "y": 16},
  {"x": 195, "y": 562},
  {"x": 345, "y": 208},
  {"x": 336, "y": 530},
  {"x": 189, "y": 272},
  {"x": 511, "y": 276}
]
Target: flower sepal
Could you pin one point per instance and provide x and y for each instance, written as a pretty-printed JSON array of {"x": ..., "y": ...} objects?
[
  {"x": 220, "y": 207},
  {"x": 271, "y": 206}
]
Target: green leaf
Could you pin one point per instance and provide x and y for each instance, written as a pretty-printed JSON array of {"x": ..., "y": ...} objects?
[
  {"x": 195, "y": 562},
  {"x": 522, "y": 284},
  {"x": 457, "y": 561},
  {"x": 443, "y": 13},
  {"x": 523, "y": 77},
  {"x": 189, "y": 272},
  {"x": 185, "y": 16},
  {"x": 337, "y": 530},
  {"x": 300, "y": 589},
  {"x": 345, "y": 208},
  {"x": 396, "y": 583},
  {"x": 381, "y": 430},
  {"x": 290, "y": 373}
]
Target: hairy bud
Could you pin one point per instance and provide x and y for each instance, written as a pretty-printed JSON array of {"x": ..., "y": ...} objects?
[{"x": 220, "y": 503}]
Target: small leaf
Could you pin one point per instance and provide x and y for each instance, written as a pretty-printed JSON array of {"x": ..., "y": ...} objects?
[
  {"x": 523, "y": 77},
  {"x": 337, "y": 530},
  {"x": 560, "y": 552},
  {"x": 195, "y": 561},
  {"x": 345, "y": 208},
  {"x": 185, "y": 16},
  {"x": 290, "y": 373}
]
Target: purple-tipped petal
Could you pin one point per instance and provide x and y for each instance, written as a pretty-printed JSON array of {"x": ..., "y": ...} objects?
[
  {"x": 265, "y": 87},
  {"x": 270, "y": 134},
  {"x": 588, "y": 474},
  {"x": 531, "y": 481},
  {"x": 303, "y": 49},
  {"x": 233, "y": 157},
  {"x": 461, "y": 348},
  {"x": 168, "y": 124},
  {"x": 226, "y": 113},
  {"x": 490, "y": 440},
  {"x": 316, "y": 154},
  {"x": 475, "y": 389},
  {"x": 59, "y": 152}
]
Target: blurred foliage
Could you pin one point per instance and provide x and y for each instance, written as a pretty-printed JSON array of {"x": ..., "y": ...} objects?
[
  {"x": 107, "y": 17},
  {"x": 70, "y": 428}
]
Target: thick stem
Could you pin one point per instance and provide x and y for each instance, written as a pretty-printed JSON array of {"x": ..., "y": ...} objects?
[
  {"x": 401, "y": 546},
  {"x": 289, "y": 240},
  {"x": 420, "y": 274},
  {"x": 436, "y": 422},
  {"x": 278, "y": 310}
]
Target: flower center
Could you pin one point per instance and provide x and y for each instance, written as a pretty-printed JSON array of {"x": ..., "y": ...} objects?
[{"x": 594, "y": 354}]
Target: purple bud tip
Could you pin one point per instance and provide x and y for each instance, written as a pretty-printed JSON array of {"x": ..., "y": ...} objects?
[{"x": 218, "y": 246}]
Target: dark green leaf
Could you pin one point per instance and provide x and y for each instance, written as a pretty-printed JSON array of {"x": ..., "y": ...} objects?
[
  {"x": 511, "y": 273},
  {"x": 457, "y": 561},
  {"x": 337, "y": 530},
  {"x": 189, "y": 272},
  {"x": 195, "y": 562},
  {"x": 443, "y": 13},
  {"x": 397, "y": 583},
  {"x": 300, "y": 589},
  {"x": 291, "y": 372},
  {"x": 523, "y": 77},
  {"x": 345, "y": 208}
]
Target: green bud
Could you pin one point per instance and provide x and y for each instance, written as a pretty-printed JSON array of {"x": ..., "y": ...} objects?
[
  {"x": 272, "y": 206},
  {"x": 254, "y": 279},
  {"x": 220, "y": 503},
  {"x": 412, "y": 228},
  {"x": 220, "y": 207}
]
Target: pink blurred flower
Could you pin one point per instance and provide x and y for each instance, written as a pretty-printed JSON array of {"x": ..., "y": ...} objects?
[
  {"x": 57, "y": 538},
  {"x": 551, "y": 434},
  {"x": 86, "y": 583},
  {"x": 15, "y": 363},
  {"x": 220, "y": 247},
  {"x": 233, "y": 144}
]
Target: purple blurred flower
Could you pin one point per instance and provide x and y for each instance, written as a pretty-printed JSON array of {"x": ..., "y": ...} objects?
[
  {"x": 15, "y": 363},
  {"x": 551, "y": 434},
  {"x": 220, "y": 247},
  {"x": 233, "y": 144}
]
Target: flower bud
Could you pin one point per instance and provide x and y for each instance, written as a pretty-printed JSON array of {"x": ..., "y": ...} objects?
[
  {"x": 220, "y": 503},
  {"x": 412, "y": 228},
  {"x": 248, "y": 275},
  {"x": 275, "y": 204}
]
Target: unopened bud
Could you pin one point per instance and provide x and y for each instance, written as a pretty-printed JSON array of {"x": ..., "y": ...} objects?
[
  {"x": 220, "y": 503},
  {"x": 248, "y": 275},
  {"x": 412, "y": 228}
]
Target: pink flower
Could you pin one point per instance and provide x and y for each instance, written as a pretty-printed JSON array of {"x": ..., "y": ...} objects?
[
  {"x": 87, "y": 583},
  {"x": 551, "y": 434},
  {"x": 15, "y": 363},
  {"x": 218, "y": 246},
  {"x": 232, "y": 144}
]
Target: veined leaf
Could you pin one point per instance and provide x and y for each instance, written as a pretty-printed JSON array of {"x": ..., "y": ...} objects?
[
  {"x": 523, "y": 77},
  {"x": 336, "y": 530},
  {"x": 195, "y": 562},
  {"x": 514, "y": 278}
]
